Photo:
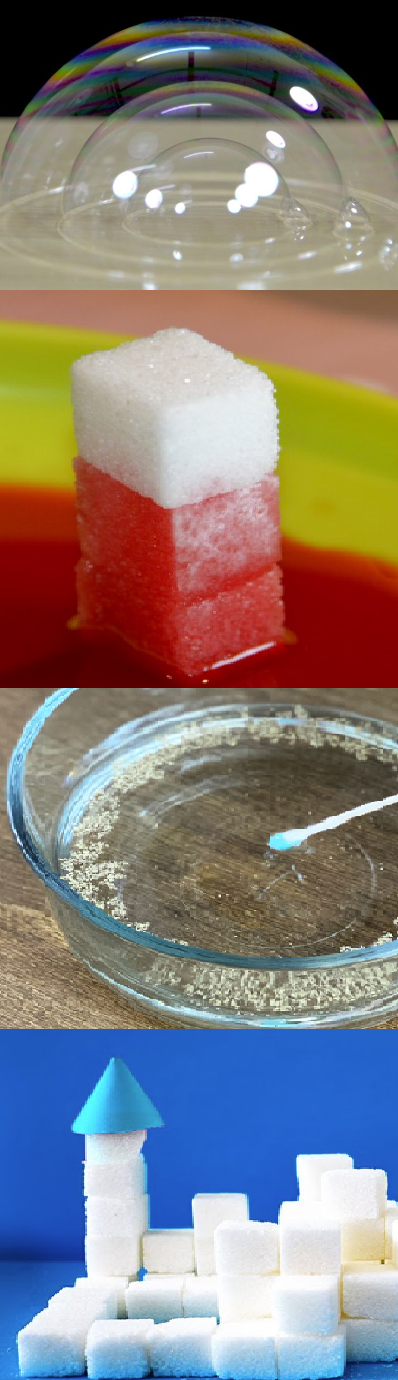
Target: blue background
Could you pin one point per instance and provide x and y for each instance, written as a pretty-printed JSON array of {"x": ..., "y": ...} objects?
[{"x": 237, "y": 1106}]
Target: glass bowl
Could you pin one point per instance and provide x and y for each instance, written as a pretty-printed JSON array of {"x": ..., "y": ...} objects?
[
  {"x": 202, "y": 152},
  {"x": 150, "y": 816}
]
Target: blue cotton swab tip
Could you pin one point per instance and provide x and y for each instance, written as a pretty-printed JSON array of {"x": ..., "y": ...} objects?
[{"x": 290, "y": 839}]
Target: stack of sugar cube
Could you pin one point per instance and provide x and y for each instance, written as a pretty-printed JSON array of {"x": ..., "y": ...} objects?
[
  {"x": 117, "y": 1204},
  {"x": 178, "y": 500},
  {"x": 294, "y": 1299}
]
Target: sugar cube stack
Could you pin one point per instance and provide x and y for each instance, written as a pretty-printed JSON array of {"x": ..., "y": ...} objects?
[
  {"x": 117, "y": 1205},
  {"x": 178, "y": 500},
  {"x": 279, "y": 1301}
]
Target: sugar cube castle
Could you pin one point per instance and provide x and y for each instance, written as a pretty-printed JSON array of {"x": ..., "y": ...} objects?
[
  {"x": 227, "y": 1297},
  {"x": 178, "y": 500}
]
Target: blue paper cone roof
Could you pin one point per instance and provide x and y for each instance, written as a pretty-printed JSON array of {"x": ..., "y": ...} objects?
[{"x": 116, "y": 1104}]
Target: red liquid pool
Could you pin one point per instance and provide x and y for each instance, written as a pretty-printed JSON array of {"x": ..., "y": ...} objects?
[{"x": 341, "y": 612}]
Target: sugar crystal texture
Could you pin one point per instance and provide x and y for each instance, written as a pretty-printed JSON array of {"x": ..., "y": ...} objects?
[
  {"x": 168, "y": 1252},
  {"x": 210, "y": 1209},
  {"x": 301, "y": 1357},
  {"x": 116, "y": 1216},
  {"x": 369, "y": 1340},
  {"x": 54, "y": 1342},
  {"x": 391, "y": 1216},
  {"x": 183, "y": 1347},
  {"x": 157, "y": 1296},
  {"x": 113, "y": 1255},
  {"x": 124, "y": 1179},
  {"x": 246, "y": 1296},
  {"x": 250, "y": 1248},
  {"x": 363, "y": 1239},
  {"x": 114, "y": 1149},
  {"x": 83, "y": 1306},
  {"x": 310, "y": 1169},
  {"x": 310, "y": 1245},
  {"x": 113, "y": 1287},
  {"x": 245, "y": 1351},
  {"x": 371, "y": 1294},
  {"x": 354, "y": 1193},
  {"x": 307, "y": 1304},
  {"x": 175, "y": 417},
  {"x": 119, "y": 1350},
  {"x": 183, "y": 473},
  {"x": 200, "y": 1296}
]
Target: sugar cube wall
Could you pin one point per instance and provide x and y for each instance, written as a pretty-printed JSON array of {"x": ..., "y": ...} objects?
[
  {"x": 369, "y": 1294},
  {"x": 183, "y": 1347},
  {"x": 118, "y": 1179},
  {"x": 354, "y": 1193},
  {"x": 246, "y": 1296},
  {"x": 308, "y": 1358},
  {"x": 208, "y": 1211},
  {"x": 307, "y": 1303},
  {"x": 114, "y": 1149},
  {"x": 245, "y": 1351},
  {"x": 168, "y": 1252},
  {"x": 391, "y": 1216},
  {"x": 157, "y": 1296},
  {"x": 118, "y": 1350},
  {"x": 310, "y": 1169},
  {"x": 246, "y": 1248},
  {"x": 175, "y": 417}
]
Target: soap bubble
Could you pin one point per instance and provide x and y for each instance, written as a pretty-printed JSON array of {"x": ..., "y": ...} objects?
[{"x": 172, "y": 147}]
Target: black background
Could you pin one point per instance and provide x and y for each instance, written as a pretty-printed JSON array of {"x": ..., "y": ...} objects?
[{"x": 43, "y": 40}]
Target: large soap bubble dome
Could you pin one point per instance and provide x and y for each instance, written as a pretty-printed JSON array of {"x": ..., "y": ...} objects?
[{"x": 202, "y": 153}]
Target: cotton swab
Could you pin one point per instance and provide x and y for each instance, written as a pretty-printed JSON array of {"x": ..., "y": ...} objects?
[{"x": 291, "y": 838}]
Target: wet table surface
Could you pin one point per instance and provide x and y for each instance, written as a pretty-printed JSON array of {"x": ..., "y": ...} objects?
[{"x": 41, "y": 983}]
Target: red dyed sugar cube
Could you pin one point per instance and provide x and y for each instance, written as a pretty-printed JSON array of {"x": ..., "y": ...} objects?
[{"x": 178, "y": 500}]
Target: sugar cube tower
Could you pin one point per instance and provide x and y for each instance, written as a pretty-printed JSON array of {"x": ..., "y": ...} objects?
[
  {"x": 227, "y": 1297},
  {"x": 178, "y": 500}
]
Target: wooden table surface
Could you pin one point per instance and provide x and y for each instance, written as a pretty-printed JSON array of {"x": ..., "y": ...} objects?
[{"x": 41, "y": 983}]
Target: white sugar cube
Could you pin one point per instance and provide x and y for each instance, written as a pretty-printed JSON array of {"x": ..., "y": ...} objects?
[
  {"x": 183, "y": 1347},
  {"x": 354, "y": 1193},
  {"x": 113, "y": 1255},
  {"x": 114, "y": 1149},
  {"x": 394, "y": 1243},
  {"x": 310, "y": 1246},
  {"x": 175, "y": 417},
  {"x": 363, "y": 1239},
  {"x": 298, "y": 1211},
  {"x": 205, "y": 1260},
  {"x": 79, "y": 1306},
  {"x": 200, "y": 1296},
  {"x": 307, "y": 1303},
  {"x": 245, "y": 1296},
  {"x": 157, "y": 1296},
  {"x": 116, "y": 1216},
  {"x": 310, "y": 1169},
  {"x": 371, "y": 1294},
  {"x": 245, "y": 1351},
  {"x": 47, "y": 1348},
  {"x": 168, "y": 1252},
  {"x": 113, "y": 1287},
  {"x": 301, "y": 1357},
  {"x": 124, "y": 1179},
  {"x": 119, "y": 1350},
  {"x": 368, "y": 1339},
  {"x": 209, "y": 1209},
  {"x": 246, "y": 1248},
  {"x": 391, "y": 1216}
]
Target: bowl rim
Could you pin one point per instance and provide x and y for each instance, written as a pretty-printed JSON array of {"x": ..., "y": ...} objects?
[{"x": 98, "y": 917}]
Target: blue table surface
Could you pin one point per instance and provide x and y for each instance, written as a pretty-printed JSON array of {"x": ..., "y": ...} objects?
[{"x": 27, "y": 1285}]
